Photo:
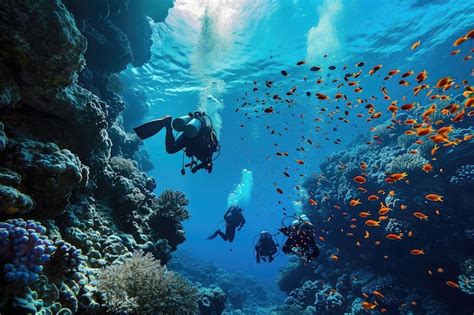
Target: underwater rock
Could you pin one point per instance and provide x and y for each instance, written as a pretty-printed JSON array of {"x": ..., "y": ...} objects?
[
  {"x": 30, "y": 65},
  {"x": 48, "y": 175},
  {"x": 211, "y": 301}
]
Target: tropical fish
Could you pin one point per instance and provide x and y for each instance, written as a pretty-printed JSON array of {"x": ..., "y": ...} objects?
[
  {"x": 416, "y": 252},
  {"x": 434, "y": 197},
  {"x": 415, "y": 45},
  {"x": 372, "y": 223}
]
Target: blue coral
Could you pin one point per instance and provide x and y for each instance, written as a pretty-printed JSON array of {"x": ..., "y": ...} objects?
[{"x": 24, "y": 249}]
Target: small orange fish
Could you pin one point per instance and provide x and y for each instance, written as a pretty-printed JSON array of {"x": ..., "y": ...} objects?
[
  {"x": 365, "y": 295},
  {"x": 372, "y": 223},
  {"x": 334, "y": 258},
  {"x": 421, "y": 76},
  {"x": 373, "y": 198},
  {"x": 360, "y": 179},
  {"x": 368, "y": 306},
  {"x": 408, "y": 106},
  {"x": 362, "y": 189},
  {"x": 392, "y": 236},
  {"x": 435, "y": 148},
  {"x": 440, "y": 270},
  {"x": 301, "y": 162},
  {"x": 420, "y": 215},
  {"x": 375, "y": 69},
  {"x": 378, "y": 294},
  {"x": 416, "y": 252},
  {"x": 355, "y": 202},
  {"x": 452, "y": 284},
  {"x": 434, "y": 197},
  {"x": 427, "y": 167},
  {"x": 383, "y": 209},
  {"x": 367, "y": 234},
  {"x": 398, "y": 176},
  {"x": 313, "y": 202},
  {"x": 415, "y": 45},
  {"x": 364, "y": 214},
  {"x": 407, "y": 74}
]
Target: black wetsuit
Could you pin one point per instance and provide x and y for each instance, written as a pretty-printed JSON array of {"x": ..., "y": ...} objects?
[
  {"x": 265, "y": 249},
  {"x": 201, "y": 146},
  {"x": 303, "y": 238},
  {"x": 233, "y": 219}
]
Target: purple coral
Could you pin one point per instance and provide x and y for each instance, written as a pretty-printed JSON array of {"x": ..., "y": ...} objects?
[{"x": 23, "y": 250}]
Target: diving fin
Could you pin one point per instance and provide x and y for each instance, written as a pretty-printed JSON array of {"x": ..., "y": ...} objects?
[
  {"x": 213, "y": 236},
  {"x": 151, "y": 128}
]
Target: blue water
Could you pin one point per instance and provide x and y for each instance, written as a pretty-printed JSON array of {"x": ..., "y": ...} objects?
[{"x": 208, "y": 53}]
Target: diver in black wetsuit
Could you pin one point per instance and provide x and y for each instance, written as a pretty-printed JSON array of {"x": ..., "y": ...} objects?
[
  {"x": 266, "y": 247},
  {"x": 198, "y": 138},
  {"x": 233, "y": 219},
  {"x": 301, "y": 239}
]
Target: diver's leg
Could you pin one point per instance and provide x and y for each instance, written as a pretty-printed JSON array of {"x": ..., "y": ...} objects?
[
  {"x": 230, "y": 233},
  {"x": 151, "y": 128},
  {"x": 173, "y": 145}
]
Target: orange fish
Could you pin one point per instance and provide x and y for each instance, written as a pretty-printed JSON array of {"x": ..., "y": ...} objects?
[
  {"x": 427, "y": 167},
  {"x": 407, "y": 106},
  {"x": 407, "y": 74},
  {"x": 375, "y": 69},
  {"x": 394, "y": 236},
  {"x": 321, "y": 96},
  {"x": 355, "y": 202},
  {"x": 373, "y": 198},
  {"x": 369, "y": 306},
  {"x": 313, "y": 202},
  {"x": 415, "y": 45},
  {"x": 378, "y": 294},
  {"x": 443, "y": 82},
  {"x": 398, "y": 176},
  {"x": 372, "y": 223},
  {"x": 360, "y": 179},
  {"x": 416, "y": 252},
  {"x": 301, "y": 162},
  {"x": 334, "y": 258},
  {"x": 423, "y": 131},
  {"x": 420, "y": 215},
  {"x": 367, "y": 234},
  {"x": 440, "y": 270},
  {"x": 421, "y": 76},
  {"x": 364, "y": 214},
  {"x": 362, "y": 189},
  {"x": 383, "y": 209},
  {"x": 459, "y": 41},
  {"x": 435, "y": 148},
  {"x": 434, "y": 197},
  {"x": 452, "y": 284}
]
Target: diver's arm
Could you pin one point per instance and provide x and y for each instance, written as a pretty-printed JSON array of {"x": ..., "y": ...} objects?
[{"x": 242, "y": 222}]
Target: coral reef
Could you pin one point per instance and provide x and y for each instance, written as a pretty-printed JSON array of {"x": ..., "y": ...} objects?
[
  {"x": 140, "y": 285},
  {"x": 336, "y": 287},
  {"x": 66, "y": 157},
  {"x": 223, "y": 291}
]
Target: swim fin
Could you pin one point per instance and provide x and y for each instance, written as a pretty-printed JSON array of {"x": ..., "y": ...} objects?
[
  {"x": 213, "y": 236},
  {"x": 151, "y": 128}
]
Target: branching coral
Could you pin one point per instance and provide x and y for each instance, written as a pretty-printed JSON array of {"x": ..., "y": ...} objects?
[
  {"x": 171, "y": 205},
  {"x": 141, "y": 285},
  {"x": 406, "y": 162}
]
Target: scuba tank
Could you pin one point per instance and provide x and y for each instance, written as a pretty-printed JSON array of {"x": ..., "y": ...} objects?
[
  {"x": 193, "y": 127},
  {"x": 180, "y": 122},
  {"x": 189, "y": 124}
]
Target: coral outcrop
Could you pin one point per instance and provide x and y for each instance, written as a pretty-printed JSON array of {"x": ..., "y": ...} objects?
[
  {"x": 340, "y": 286},
  {"x": 72, "y": 200}
]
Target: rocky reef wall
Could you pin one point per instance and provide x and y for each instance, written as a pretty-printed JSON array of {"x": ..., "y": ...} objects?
[
  {"x": 74, "y": 197},
  {"x": 375, "y": 264}
]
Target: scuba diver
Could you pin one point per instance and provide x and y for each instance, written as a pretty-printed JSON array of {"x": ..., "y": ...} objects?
[
  {"x": 233, "y": 219},
  {"x": 301, "y": 239},
  {"x": 198, "y": 138},
  {"x": 266, "y": 247}
]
